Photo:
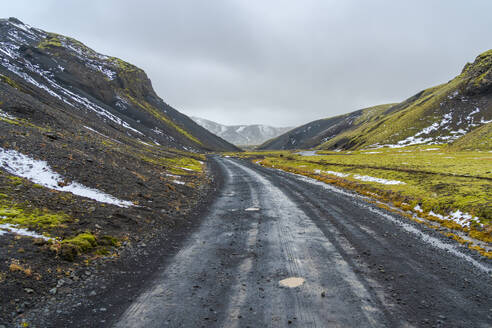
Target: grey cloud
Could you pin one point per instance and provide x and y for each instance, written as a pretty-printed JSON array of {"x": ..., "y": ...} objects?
[{"x": 276, "y": 62}]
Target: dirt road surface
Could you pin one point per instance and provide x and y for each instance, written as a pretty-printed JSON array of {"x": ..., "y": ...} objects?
[{"x": 280, "y": 250}]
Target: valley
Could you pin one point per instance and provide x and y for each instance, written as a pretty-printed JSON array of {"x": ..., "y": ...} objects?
[{"x": 117, "y": 210}]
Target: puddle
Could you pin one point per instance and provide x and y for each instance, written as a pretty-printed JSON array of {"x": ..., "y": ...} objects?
[
  {"x": 251, "y": 209},
  {"x": 292, "y": 282}
]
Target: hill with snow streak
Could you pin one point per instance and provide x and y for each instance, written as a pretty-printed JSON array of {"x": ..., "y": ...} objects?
[
  {"x": 107, "y": 92},
  {"x": 439, "y": 115}
]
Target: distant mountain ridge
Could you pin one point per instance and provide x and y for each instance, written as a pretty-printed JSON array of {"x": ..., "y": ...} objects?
[
  {"x": 439, "y": 115},
  {"x": 242, "y": 135}
]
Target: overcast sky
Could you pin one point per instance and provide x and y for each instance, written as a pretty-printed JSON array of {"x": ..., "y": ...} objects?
[{"x": 282, "y": 63}]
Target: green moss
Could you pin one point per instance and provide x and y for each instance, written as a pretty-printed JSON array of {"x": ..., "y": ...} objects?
[
  {"x": 103, "y": 251},
  {"x": 176, "y": 165},
  {"x": 52, "y": 40},
  {"x": 83, "y": 242},
  {"x": 32, "y": 218},
  {"x": 9, "y": 121},
  {"x": 9, "y": 81},
  {"x": 16, "y": 180},
  {"x": 108, "y": 241},
  {"x": 122, "y": 65}
]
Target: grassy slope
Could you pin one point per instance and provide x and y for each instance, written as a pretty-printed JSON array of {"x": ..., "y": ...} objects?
[
  {"x": 436, "y": 178},
  {"x": 416, "y": 112},
  {"x": 478, "y": 139},
  {"x": 313, "y": 133}
]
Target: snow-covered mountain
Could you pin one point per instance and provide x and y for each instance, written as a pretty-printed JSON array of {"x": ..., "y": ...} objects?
[{"x": 242, "y": 135}]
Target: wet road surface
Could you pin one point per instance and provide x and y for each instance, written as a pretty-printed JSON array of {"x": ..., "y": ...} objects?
[{"x": 279, "y": 250}]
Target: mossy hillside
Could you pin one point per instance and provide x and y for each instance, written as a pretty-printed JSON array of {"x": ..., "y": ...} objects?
[
  {"x": 391, "y": 128},
  {"x": 313, "y": 133},
  {"x": 478, "y": 139},
  {"x": 54, "y": 41},
  {"x": 417, "y": 112},
  {"x": 9, "y": 121},
  {"x": 372, "y": 113},
  {"x": 23, "y": 122}
]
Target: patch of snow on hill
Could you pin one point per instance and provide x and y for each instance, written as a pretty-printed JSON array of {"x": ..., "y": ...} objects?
[
  {"x": 40, "y": 172},
  {"x": 366, "y": 178},
  {"x": 444, "y": 128},
  {"x": 7, "y": 116},
  {"x": 11, "y": 59},
  {"x": 4, "y": 228},
  {"x": 377, "y": 180}
]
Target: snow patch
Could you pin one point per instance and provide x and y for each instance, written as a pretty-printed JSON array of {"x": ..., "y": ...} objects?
[
  {"x": 461, "y": 218},
  {"x": 39, "y": 172},
  {"x": 20, "y": 231},
  {"x": 7, "y": 116},
  {"x": 377, "y": 180}
]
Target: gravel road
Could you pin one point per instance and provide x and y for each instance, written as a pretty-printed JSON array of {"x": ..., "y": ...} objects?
[{"x": 280, "y": 250}]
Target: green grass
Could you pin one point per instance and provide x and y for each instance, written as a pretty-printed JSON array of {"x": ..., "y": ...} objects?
[
  {"x": 176, "y": 165},
  {"x": 440, "y": 180},
  {"x": 478, "y": 139}
]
